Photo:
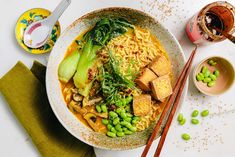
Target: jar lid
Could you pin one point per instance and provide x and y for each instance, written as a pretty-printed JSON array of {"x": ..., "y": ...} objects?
[{"x": 25, "y": 20}]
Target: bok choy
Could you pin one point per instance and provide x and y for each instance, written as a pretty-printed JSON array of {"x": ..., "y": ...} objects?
[
  {"x": 94, "y": 40},
  {"x": 68, "y": 66}
]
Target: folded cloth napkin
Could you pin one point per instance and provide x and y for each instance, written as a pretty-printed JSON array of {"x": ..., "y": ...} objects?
[{"x": 24, "y": 90}]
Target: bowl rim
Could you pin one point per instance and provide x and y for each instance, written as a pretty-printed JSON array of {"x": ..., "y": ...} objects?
[
  {"x": 78, "y": 21},
  {"x": 200, "y": 63}
]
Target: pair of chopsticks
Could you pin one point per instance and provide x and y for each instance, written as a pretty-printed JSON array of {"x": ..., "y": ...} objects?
[{"x": 174, "y": 98}]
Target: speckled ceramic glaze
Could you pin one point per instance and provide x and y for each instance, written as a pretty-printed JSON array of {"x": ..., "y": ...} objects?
[{"x": 67, "y": 119}]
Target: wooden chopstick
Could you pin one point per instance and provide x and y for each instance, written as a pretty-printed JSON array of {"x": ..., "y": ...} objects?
[
  {"x": 225, "y": 34},
  {"x": 173, "y": 110},
  {"x": 168, "y": 105}
]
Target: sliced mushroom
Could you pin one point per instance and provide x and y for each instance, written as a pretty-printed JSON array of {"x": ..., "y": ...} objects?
[
  {"x": 76, "y": 107},
  {"x": 91, "y": 120},
  {"x": 102, "y": 115},
  {"x": 91, "y": 102},
  {"x": 77, "y": 97},
  {"x": 74, "y": 90},
  {"x": 94, "y": 101},
  {"x": 85, "y": 102}
]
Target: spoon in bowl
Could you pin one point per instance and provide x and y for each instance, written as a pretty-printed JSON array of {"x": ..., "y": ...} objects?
[{"x": 37, "y": 33}]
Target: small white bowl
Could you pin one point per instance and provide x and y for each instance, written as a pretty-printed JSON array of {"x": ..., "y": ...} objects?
[{"x": 223, "y": 82}]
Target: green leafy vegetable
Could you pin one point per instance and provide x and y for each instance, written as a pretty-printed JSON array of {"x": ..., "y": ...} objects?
[
  {"x": 68, "y": 66},
  {"x": 114, "y": 82},
  {"x": 114, "y": 64},
  {"x": 94, "y": 40}
]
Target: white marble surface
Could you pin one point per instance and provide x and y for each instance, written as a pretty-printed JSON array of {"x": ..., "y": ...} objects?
[{"x": 213, "y": 137}]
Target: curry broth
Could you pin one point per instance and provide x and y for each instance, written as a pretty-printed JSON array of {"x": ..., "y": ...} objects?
[{"x": 90, "y": 109}]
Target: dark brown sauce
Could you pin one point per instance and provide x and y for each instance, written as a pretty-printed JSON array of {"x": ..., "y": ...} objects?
[{"x": 214, "y": 21}]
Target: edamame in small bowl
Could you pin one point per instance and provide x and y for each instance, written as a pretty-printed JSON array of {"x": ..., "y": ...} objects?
[{"x": 214, "y": 76}]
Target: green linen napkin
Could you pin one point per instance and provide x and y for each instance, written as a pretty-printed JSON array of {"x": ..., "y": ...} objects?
[{"x": 25, "y": 93}]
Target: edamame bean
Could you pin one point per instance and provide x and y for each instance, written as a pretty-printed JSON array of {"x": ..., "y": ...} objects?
[
  {"x": 207, "y": 73},
  {"x": 113, "y": 114},
  {"x": 128, "y": 132},
  {"x": 119, "y": 110},
  {"x": 204, "y": 69},
  {"x": 113, "y": 130},
  {"x": 105, "y": 121},
  {"x": 214, "y": 63},
  {"x": 134, "y": 121},
  {"x": 124, "y": 129},
  {"x": 128, "y": 108},
  {"x": 128, "y": 125},
  {"x": 132, "y": 128},
  {"x": 128, "y": 100},
  {"x": 195, "y": 121},
  {"x": 111, "y": 134},
  {"x": 119, "y": 103},
  {"x": 216, "y": 73},
  {"x": 98, "y": 108},
  {"x": 201, "y": 75},
  {"x": 205, "y": 113},
  {"x": 136, "y": 118},
  {"x": 123, "y": 115},
  {"x": 180, "y": 117},
  {"x": 213, "y": 77},
  {"x": 206, "y": 80},
  {"x": 124, "y": 123},
  {"x": 128, "y": 119},
  {"x": 120, "y": 134},
  {"x": 210, "y": 84},
  {"x": 199, "y": 78},
  {"x": 118, "y": 127},
  {"x": 129, "y": 115},
  {"x": 109, "y": 126},
  {"x": 210, "y": 62},
  {"x": 104, "y": 108},
  {"x": 182, "y": 122},
  {"x": 116, "y": 121},
  {"x": 195, "y": 113},
  {"x": 185, "y": 137}
]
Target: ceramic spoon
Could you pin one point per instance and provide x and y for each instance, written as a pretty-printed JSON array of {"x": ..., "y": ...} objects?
[{"x": 37, "y": 33}]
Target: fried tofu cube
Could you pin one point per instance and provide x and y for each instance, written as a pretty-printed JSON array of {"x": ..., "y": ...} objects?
[
  {"x": 160, "y": 66},
  {"x": 142, "y": 104},
  {"x": 163, "y": 100},
  {"x": 144, "y": 80},
  {"x": 161, "y": 87}
]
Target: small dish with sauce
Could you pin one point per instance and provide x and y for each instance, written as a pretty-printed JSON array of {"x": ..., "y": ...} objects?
[{"x": 214, "y": 76}]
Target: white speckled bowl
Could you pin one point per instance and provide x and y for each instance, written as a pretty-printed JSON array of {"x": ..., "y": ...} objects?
[{"x": 67, "y": 119}]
